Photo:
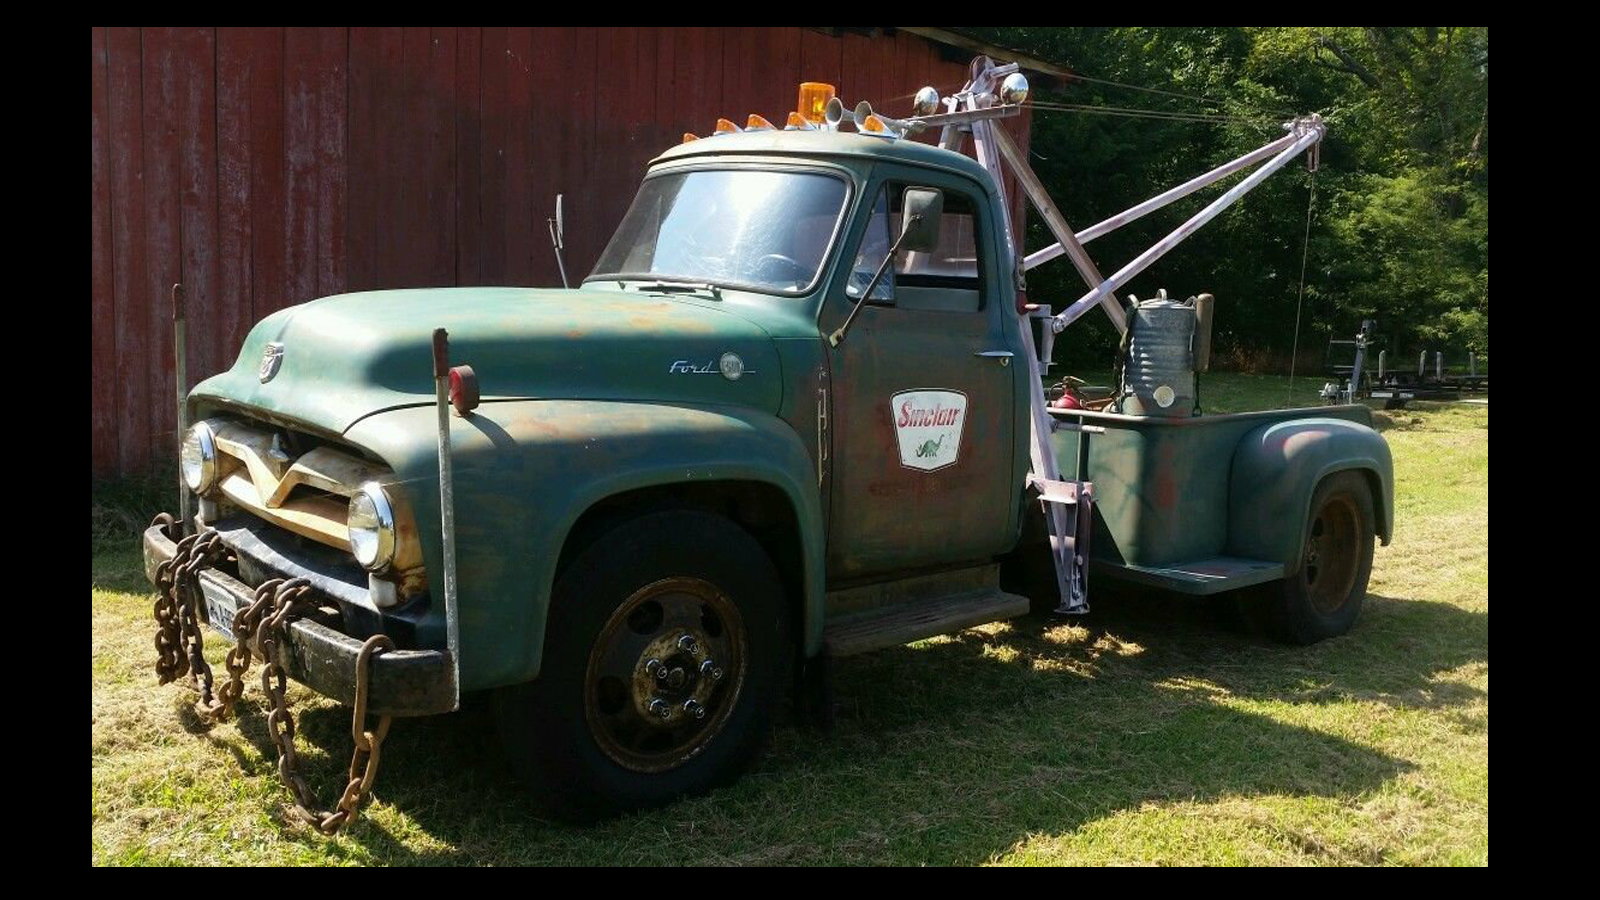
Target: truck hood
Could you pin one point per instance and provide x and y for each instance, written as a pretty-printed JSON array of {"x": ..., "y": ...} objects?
[{"x": 352, "y": 355}]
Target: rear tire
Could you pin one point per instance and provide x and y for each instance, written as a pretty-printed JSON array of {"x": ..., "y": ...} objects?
[
  {"x": 665, "y": 649},
  {"x": 1322, "y": 594}
]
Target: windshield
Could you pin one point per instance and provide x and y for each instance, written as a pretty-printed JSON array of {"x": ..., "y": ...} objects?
[{"x": 765, "y": 230}]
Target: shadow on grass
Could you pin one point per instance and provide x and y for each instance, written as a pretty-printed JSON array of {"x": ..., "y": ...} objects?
[
  {"x": 1423, "y": 415},
  {"x": 954, "y": 750}
]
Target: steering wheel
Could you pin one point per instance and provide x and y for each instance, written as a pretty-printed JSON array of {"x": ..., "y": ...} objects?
[{"x": 796, "y": 272}]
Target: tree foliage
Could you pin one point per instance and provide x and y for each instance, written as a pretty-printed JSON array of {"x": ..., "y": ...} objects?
[{"x": 1399, "y": 229}]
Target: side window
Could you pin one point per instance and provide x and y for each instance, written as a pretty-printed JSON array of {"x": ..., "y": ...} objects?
[
  {"x": 874, "y": 245},
  {"x": 949, "y": 279}
]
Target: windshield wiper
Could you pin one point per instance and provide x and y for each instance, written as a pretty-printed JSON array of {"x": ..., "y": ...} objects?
[{"x": 676, "y": 287}]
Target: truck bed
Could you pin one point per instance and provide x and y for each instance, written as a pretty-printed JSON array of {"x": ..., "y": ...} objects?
[{"x": 1161, "y": 489}]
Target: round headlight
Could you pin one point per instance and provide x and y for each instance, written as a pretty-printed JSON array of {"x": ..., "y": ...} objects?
[
  {"x": 198, "y": 459},
  {"x": 371, "y": 527}
]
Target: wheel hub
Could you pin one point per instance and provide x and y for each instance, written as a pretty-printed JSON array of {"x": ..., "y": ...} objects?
[
  {"x": 675, "y": 677},
  {"x": 664, "y": 674}
]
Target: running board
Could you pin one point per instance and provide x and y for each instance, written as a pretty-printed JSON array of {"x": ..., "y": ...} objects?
[
  {"x": 1199, "y": 577},
  {"x": 902, "y": 624}
]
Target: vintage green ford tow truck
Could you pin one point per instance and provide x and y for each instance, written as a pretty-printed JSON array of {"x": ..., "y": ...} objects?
[{"x": 795, "y": 413}]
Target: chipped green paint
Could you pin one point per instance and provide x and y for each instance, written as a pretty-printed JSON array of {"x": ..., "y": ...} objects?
[
  {"x": 352, "y": 355},
  {"x": 525, "y": 471}
]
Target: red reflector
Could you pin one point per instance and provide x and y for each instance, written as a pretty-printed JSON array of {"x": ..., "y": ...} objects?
[{"x": 463, "y": 389}]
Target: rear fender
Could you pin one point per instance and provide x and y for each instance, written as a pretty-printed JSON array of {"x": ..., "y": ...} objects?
[{"x": 1277, "y": 467}]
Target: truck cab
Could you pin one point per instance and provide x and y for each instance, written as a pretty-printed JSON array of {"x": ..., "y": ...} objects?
[{"x": 915, "y": 454}]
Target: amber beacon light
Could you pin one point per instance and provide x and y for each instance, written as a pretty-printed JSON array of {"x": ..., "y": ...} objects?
[{"x": 814, "y": 97}]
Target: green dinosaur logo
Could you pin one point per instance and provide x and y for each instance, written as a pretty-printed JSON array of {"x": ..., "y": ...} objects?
[{"x": 930, "y": 449}]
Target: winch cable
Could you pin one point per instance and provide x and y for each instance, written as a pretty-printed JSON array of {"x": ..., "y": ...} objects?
[
  {"x": 1149, "y": 90},
  {"x": 1305, "y": 249},
  {"x": 1129, "y": 112}
]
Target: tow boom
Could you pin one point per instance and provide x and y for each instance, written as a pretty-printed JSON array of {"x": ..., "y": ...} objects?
[{"x": 994, "y": 92}]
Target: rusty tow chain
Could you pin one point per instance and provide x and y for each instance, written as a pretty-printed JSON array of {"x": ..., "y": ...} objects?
[
  {"x": 260, "y": 629},
  {"x": 179, "y": 645}
]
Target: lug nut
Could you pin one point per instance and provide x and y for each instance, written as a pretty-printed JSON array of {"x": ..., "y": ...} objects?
[
  {"x": 688, "y": 644},
  {"x": 659, "y": 707},
  {"x": 652, "y": 666},
  {"x": 694, "y": 709},
  {"x": 709, "y": 669}
]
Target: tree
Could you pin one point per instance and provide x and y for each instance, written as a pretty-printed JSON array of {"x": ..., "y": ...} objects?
[{"x": 1400, "y": 230}]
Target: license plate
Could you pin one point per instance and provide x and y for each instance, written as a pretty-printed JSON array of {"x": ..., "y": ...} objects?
[{"x": 218, "y": 615}]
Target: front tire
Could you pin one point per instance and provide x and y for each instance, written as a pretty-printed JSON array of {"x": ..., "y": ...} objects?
[
  {"x": 1323, "y": 592},
  {"x": 664, "y": 652}
]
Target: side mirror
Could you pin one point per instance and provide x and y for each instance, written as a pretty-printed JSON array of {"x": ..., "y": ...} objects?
[{"x": 921, "y": 211}]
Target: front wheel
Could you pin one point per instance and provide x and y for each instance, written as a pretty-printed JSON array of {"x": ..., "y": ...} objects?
[
  {"x": 1322, "y": 594},
  {"x": 665, "y": 649}
]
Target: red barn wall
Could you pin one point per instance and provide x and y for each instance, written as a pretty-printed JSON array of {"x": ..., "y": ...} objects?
[{"x": 263, "y": 167}]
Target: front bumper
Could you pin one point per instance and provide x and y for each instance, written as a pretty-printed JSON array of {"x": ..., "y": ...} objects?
[{"x": 403, "y": 682}]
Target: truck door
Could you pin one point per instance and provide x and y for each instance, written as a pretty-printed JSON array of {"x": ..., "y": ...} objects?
[{"x": 923, "y": 398}]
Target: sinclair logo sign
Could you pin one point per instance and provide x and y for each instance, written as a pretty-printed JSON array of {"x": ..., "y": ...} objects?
[{"x": 927, "y": 427}]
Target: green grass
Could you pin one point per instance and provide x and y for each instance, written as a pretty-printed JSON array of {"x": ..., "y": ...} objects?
[{"x": 1147, "y": 733}]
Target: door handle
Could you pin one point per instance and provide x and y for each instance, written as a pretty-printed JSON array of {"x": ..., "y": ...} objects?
[{"x": 1003, "y": 355}]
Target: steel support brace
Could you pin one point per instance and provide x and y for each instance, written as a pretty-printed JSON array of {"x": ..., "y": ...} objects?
[
  {"x": 1105, "y": 227},
  {"x": 1066, "y": 539},
  {"x": 1307, "y": 132}
]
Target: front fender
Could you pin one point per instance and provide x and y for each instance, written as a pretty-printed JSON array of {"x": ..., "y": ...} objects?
[
  {"x": 524, "y": 471},
  {"x": 1276, "y": 469}
]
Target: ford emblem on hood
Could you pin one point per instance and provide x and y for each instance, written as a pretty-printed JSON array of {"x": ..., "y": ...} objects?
[{"x": 271, "y": 361}]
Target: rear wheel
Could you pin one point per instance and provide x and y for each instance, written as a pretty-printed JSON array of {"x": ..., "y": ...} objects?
[
  {"x": 1322, "y": 594},
  {"x": 663, "y": 656}
]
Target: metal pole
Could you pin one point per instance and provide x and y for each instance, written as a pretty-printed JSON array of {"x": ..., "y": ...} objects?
[
  {"x": 1438, "y": 365},
  {"x": 985, "y": 138},
  {"x": 447, "y": 507},
  {"x": 1357, "y": 368},
  {"x": 1311, "y": 134},
  {"x": 1100, "y": 229},
  {"x": 1422, "y": 363},
  {"x": 1042, "y": 456},
  {"x": 558, "y": 240},
  {"x": 555, "y": 242},
  {"x": 180, "y": 358},
  {"x": 1381, "y": 355}
]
